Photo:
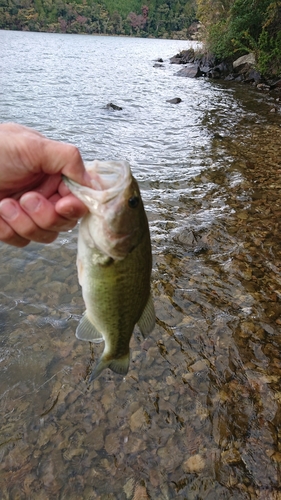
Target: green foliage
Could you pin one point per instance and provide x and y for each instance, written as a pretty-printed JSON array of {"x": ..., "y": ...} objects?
[
  {"x": 123, "y": 7},
  {"x": 117, "y": 17},
  {"x": 269, "y": 60},
  {"x": 219, "y": 41},
  {"x": 241, "y": 26}
]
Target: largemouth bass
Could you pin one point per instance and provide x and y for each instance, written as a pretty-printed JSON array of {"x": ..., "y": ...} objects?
[{"x": 114, "y": 263}]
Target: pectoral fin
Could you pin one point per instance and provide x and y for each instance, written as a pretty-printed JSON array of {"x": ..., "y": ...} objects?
[
  {"x": 146, "y": 322},
  {"x": 86, "y": 330}
]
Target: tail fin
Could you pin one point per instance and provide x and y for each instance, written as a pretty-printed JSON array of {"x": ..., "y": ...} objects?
[{"x": 120, "y": 365}]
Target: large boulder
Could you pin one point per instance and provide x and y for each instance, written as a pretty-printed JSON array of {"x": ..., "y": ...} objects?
[
  {"x": 244, "y": 61},
  {"x": 245, "y": 71}
]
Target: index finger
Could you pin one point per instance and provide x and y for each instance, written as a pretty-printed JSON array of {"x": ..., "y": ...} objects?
[{"x": 64, "y": 158}]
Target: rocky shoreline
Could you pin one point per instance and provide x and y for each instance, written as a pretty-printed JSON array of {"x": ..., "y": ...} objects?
[{"x": 242, "y": 70}]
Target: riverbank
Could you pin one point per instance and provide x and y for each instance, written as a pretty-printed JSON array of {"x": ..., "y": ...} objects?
[{"x": 241, "y": 70}]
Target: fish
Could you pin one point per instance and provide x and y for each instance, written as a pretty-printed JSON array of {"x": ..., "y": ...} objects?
[{"x": 114, "y": 263}]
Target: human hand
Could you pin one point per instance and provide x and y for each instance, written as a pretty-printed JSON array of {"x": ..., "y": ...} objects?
[{"x": 35, "y": 205}]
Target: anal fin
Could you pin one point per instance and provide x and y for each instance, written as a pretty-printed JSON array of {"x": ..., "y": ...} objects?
[
  {"x": 87, "y": 331},
  {"x": 146, "y": 322}
]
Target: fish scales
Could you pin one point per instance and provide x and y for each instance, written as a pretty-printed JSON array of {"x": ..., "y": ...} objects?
[
  {"x": 114, "y": 263},
  {"x": 119, "y": 291}
]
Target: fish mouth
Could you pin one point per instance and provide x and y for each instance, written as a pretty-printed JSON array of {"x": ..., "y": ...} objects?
[{"x": 107, "y": 180}]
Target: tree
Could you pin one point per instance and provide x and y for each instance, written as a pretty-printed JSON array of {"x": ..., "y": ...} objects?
[
  {"x": 236, "y": 27},
  {"x": 154, "y": 17}
]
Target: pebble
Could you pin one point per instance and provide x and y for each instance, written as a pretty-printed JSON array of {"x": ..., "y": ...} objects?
[{"x": 194, "y": 464}]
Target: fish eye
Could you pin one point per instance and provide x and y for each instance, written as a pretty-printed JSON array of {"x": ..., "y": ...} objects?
[{"x": 133, "y": 202}]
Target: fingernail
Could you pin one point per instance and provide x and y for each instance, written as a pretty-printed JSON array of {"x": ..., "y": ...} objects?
[
  {"x": 69, "y": 212},
  {"x": 30, "y": 202},
  {"x": 9, "y": 209}
]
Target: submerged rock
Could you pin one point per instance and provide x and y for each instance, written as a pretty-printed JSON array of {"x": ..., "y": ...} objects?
[
  {"x": 175, "y": 100},
  {"x": 194, "y": 464},
  {"x": 263, "y": 86},
  {"x": 110, "y": 105}
]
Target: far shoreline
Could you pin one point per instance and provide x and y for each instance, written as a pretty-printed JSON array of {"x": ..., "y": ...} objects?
[{"x": 150, "y": 37}]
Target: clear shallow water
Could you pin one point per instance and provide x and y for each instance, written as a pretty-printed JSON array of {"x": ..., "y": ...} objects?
[{"x": 198, "y": 415}]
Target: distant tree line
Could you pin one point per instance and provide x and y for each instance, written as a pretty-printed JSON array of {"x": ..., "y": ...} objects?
[
  {"x": 236, "y": 27},
  {"x": 168, "y": 18}
]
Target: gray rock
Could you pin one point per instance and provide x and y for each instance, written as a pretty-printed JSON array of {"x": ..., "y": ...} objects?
[
  {"x": 252, "y": 75},
  {"x": 225, "y": 68},
  {"x": 175, "y": 100},
  {"x": 243, "y": 60},
  {"x": 276, "y": 85},
  {"x": 190, "y": 71},
  {"x": 176, "y": 60},
  {"x": 184, "y": 57},
  {"x": 263, "y": 86},
  {"x": 110, "y": 105},
  {"x": 229, "y": 78},
  {"x": 239, "y": 78},
  {"x": 205, "y": 70},
  {"x": 214, "y": 73}
]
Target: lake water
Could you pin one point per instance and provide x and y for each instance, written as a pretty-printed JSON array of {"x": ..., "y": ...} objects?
[{"x": 198, "y": 416}]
